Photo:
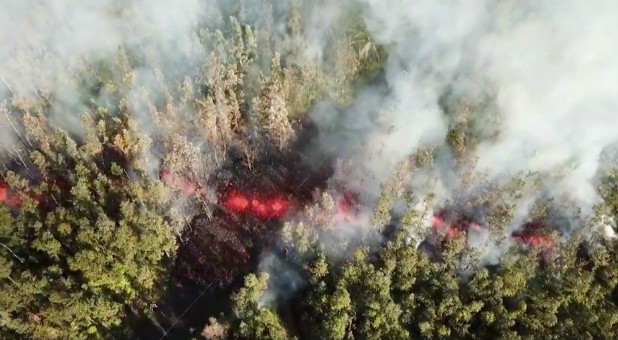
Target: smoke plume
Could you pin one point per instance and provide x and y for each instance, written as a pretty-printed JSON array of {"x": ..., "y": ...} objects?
[{"x": 549, "y": 67}]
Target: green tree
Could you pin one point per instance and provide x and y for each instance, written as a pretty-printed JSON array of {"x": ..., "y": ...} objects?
[
  {"x": 87, "y": 242},
  {"x": 254, "y": 320}
]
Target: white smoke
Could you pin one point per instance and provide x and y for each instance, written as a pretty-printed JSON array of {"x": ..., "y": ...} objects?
[
  {"x": 42, "y": 40},
  {"x": 554, "y": 70},
  {"x": 46, "y": 46},
  {"x": 551, "y": 65},
  {"x": 283, "y": 280}
]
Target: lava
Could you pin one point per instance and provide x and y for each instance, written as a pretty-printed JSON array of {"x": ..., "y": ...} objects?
[
  {"x": 3, "y": 193},
  {"x": 437, "y": 222},
  {"x": 534, "y": 240},
  {"x": 236, "y": 201},
  {"x": 276, "y": 205},
  {"x": 445, "y": 228},
  {"x": 260, "y": 206},
  {"x": 439, "y": 225},
  {"x": 347, "y": 208},
  {"x": 452, "y": 229},
  {"x": 180, "y": 182},
  {"x": 9, "y": 197},
  {"x": 533, "y": 236},
  {"x": 13, "y": 199}
]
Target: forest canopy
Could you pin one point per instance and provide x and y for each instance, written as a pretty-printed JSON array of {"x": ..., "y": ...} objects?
[{"x": 344, "y": 169}]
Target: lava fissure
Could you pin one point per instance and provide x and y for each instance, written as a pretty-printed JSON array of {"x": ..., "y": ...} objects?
[
  {"x": 251, "y": 201},
  {"x": 445, "y": 227}
]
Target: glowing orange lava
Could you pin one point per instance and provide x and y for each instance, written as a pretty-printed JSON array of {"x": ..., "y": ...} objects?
[
  {"x": 347, "y": 208},
  {"x": 10, "y": 198},
  {"x": 270, "y": 207},
  {"x": 535, "y": 241},
  {"x": 3, "y": 193},
  {"x": 529, "y": 235},
  {"x": 185, "y": 185},
  {"x": 438, "y": 224},
  {"x": 236, "y": 202}
]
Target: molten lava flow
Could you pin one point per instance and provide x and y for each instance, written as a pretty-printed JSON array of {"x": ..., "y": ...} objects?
[
  {"x": 451, "y": 229},
  {"x": 263, "y": 207},
  {"x": 9, "y": 198},
  {"x": 532, "y": 235},
  {"x": 185, "y": 185},
  {"x": 13, "y": 199},
  {"x": 347, "y": 208},
  {"x": 438, "y": 225},
  {"x": 3, "y": 193},
  {"x": 276, "y": 206},
  {"x": 445, "y": 227},
  {"x": 534, "y": 240},
  {"x": 236, "y": 202},
  {"x": 259, "y": 208},
  {"x": 437, "y": 222}
]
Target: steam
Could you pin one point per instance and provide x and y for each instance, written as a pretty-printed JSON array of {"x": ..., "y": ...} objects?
[
  {"x": 427, "y": 53},
  {"x": 42, "y": 41},
  {"x": 283, "y": 280},
  {"x": 45, "y": 47},
  {"x": 550, "y": 65},
  {"x": 558, "y": 99}
]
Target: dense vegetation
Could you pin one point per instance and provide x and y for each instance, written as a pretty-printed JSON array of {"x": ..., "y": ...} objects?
[{"x": 91, "y": 233}]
